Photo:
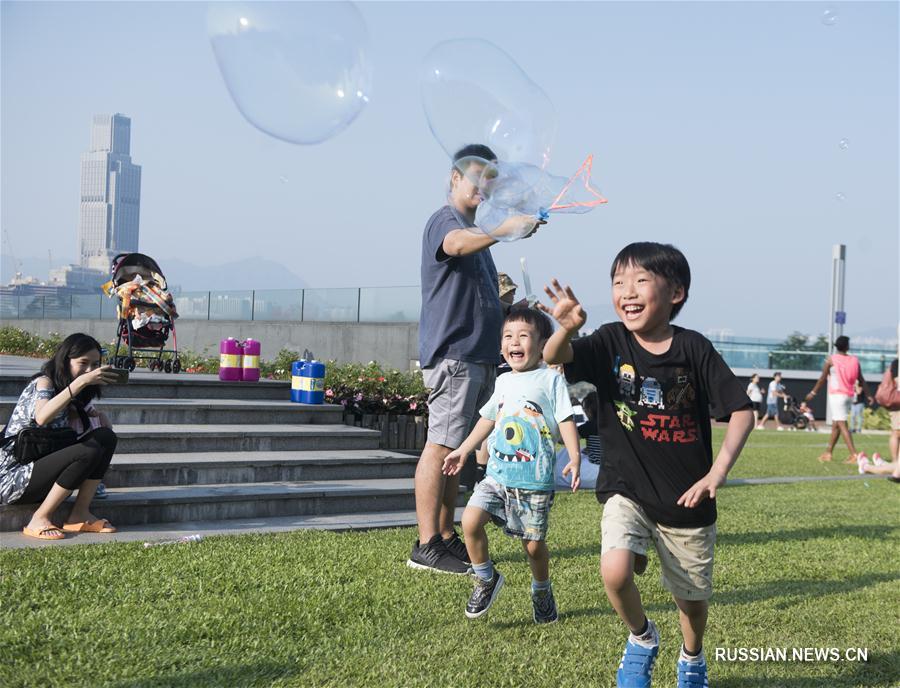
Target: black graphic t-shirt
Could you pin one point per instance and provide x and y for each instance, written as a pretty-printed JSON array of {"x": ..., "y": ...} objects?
[{"x": 654, "y": 417}]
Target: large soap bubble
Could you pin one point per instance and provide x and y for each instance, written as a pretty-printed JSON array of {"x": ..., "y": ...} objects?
[
  {"x": 298, "y": 71},
  {"x": 516, "y": 196},
  {"x": 473, "y": 92}
]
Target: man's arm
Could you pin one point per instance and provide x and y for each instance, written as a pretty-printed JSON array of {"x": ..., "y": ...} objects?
[
  {"x": 822, "y": 378},
  {"x": 462, "y": 242}
]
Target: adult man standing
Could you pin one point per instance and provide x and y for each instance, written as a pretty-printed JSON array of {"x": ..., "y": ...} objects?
[{"x": 459, "y": 348}]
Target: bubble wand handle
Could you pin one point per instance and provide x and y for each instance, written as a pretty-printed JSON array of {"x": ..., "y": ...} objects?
[{"x": 526, "y": 282}]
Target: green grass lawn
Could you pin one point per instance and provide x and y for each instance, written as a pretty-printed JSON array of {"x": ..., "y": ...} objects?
[
  {"x": 769, "y": 453},
  {"x": 810, "y": 565}
]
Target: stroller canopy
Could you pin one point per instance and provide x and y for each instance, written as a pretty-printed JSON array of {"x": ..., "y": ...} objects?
[{"x": 126, "y": 265}]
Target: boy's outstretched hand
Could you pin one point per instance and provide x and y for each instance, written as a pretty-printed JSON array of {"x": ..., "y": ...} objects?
[
  {"x": 573, "y": 467},
  {"x": 454, "y": 462},
  {"x": 567, "y": 310},
  {"x": 700, "y": 490}
]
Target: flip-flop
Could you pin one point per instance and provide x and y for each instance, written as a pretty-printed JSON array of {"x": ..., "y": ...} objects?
[
  {"x": 44, "y": 533},
  {"x": 101, "y": 525},
  {"x": 824, "y": 458}
]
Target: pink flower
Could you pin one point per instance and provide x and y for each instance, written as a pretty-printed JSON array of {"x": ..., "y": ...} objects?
[
  {"x": 413, "y": 406},
  {"x": 329, "y": 393},
  {"x": 358, "y": 397},
  {"x": 381, "y": 379}
]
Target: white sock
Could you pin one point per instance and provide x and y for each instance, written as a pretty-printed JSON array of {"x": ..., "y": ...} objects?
[
  {"x": 698, "y": 659},
  {"x": 649, "y": 639}
]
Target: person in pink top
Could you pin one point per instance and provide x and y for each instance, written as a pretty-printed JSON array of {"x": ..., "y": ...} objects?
[{"x": 842, "y": 371}]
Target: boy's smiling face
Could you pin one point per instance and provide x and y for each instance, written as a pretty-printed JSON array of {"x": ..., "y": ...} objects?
[
  {"x": 521, "y": 345},
  {"x": 643, "y": 300}
]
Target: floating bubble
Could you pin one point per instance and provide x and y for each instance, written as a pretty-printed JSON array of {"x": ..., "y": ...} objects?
[
  {"x": 840, "y": 196},
  {"x": 298, "y": 71},
  {"x": 283, "y": 179},
  {"x": 844, "y": 144},
  {"x": 829, "y": 17},
  {"x": 473, "y": 92},
  {"x": 517, "y": 196}
]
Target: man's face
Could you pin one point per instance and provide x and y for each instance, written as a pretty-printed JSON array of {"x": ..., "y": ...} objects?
[{"x": 464, "y": 185}]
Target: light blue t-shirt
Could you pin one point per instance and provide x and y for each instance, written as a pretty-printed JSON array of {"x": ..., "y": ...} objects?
[{"x": 526, "y": 409}]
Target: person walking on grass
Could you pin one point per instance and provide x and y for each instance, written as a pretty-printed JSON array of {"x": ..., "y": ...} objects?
[
  {"x": 842, "y": 371},
  {"x": 528, "y": 413},
  {"x": 657, "y": 386},
  {"x": 775, "y": 392}
]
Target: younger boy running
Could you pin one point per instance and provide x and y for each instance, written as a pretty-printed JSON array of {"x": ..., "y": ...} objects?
[
  {"x": 525, "y": 417},
  {"x": 657, "y": 385}
]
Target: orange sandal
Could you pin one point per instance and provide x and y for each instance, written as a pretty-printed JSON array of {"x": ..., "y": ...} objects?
[
  {"x": 45, "y": 533},
  {"x": 101, "y": 525}
]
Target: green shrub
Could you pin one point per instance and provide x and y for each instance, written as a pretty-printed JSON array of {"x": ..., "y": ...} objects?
[{"x": 878, "y": 419}]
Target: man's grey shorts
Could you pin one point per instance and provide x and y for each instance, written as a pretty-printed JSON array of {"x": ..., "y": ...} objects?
[{"x": 458, "y": 390}]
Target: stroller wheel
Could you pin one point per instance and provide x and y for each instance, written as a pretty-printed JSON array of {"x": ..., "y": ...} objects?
[
  {"x": 152, "y": 365},
  {"x": 176, "y": 366},
  {"x": 168, "y": 366},
  {"x": 129, "y": 363}
]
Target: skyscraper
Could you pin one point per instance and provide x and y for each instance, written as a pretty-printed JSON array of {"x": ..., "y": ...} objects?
[{"x": 110, "y": 194}]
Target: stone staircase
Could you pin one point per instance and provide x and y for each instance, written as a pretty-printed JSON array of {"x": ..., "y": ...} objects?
[{"x": 194, "y": 450}]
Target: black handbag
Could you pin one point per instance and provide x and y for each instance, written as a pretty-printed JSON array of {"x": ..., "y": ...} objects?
[{"x": 35, "y": 442}]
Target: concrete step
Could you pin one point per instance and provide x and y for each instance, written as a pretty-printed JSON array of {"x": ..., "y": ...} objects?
[
  {"x": 279, "y": 524},
  {"x": 165, "y": 438},
  {"x": 205, "y": 468},
  {"x": 205, "y": 411},
  {"x": 143, "y": 505},
  {"x": 162, "y": 386}
]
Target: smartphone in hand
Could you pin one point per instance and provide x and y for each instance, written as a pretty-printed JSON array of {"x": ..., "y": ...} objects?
[{"x": 121, "y": 375}]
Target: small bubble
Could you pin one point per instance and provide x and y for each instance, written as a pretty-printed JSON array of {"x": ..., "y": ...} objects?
[
  {"x": 829, "y": 17},
  {"x": 284, "y": 180},
  {"x": 844, "y": 144},
  {"x": 840, "y": 196}
]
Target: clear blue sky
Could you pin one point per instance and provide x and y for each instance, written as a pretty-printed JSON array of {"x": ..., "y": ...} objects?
[{"x": 714, "y": 125}]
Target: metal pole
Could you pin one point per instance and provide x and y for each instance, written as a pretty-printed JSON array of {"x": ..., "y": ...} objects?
[
  {"x": 836, "y": 323},
  {"x": 838, "y": 264}
]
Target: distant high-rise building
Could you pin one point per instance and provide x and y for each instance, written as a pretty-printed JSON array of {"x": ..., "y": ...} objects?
[{"x": 110, "y": 194}]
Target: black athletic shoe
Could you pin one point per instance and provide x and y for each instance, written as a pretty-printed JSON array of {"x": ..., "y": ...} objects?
[
  {"x": 434, "y": 556},
  {"x": 544, "y": 606},
  {"x": 457, "y": 548},
  {"x": 483, "y": 595}
]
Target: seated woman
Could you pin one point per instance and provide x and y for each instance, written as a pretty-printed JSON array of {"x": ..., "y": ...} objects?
[{"x": 61, "y": 395}]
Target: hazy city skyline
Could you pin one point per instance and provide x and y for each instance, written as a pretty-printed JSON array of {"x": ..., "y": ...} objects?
[{"x": 752, "y": 135}]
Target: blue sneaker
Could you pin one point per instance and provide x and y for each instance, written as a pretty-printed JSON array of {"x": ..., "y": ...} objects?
[
  {"x": 636, "y": 667},
  {"x": 692, "y": 674}
]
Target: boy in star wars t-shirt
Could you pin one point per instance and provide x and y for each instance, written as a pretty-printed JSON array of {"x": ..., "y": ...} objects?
[{"x": 657, "y": 386}]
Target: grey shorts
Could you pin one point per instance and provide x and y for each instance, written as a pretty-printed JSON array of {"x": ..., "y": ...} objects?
[
  {"x": 458, "y": 390},
  {"x": 523, "y": 514}
]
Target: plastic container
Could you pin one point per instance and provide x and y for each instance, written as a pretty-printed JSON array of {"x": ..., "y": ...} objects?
[
  {"x": 230, "y": 356},
  {"x": 308, "y": 381},
  {"x": 250, "y": 362}
]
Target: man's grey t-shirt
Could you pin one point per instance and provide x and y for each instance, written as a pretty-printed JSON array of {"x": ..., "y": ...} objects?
[{"x": 461, "y": 315}]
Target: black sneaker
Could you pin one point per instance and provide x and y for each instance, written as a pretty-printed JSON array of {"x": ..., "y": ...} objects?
[
  {"x": 434, "y": 556},
  {"x": 483, "y": 595},
  {"x": 457, "y": 548},
  {"x": 544, "y": 606}
]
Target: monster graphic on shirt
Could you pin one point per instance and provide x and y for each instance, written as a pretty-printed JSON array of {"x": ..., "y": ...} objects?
[{"x": 521, "y": 446}]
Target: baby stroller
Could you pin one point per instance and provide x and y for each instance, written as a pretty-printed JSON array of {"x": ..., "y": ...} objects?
[
  {"x": 146, "y": 313},
  {"x": 793, "y": 415}
]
